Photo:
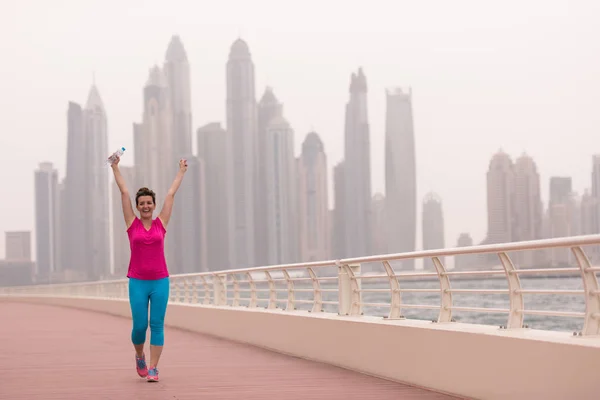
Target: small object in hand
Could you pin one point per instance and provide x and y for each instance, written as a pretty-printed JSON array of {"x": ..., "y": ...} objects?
[{"x": 113, "y": 157}]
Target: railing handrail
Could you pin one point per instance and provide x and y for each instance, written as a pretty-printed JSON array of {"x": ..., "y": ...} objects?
[
  {"x": 349, "y": 280},
  {"x": 540, "y": 244}
]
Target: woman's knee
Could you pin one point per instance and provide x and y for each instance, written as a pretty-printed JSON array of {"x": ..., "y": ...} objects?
[
  {"x": 138, "y": 335},
  {"x": 140, "y": 325},
  {"x": 157, "y": 332},
  {"x": 157, "y": 325}
]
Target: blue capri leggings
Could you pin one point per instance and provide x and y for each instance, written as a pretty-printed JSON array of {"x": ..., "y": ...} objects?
[{"x": 142, "y": 292}]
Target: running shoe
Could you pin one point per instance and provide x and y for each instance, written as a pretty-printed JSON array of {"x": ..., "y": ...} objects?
[
  {"x": 140, "y": 366},
  {"x": 152, "y": 375}
]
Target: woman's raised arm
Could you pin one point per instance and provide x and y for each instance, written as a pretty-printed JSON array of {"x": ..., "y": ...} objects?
[{"x": 128, "y": 213}]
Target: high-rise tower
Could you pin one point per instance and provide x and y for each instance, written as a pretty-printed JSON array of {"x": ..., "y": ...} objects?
[
  {"x": 357, "y": 170},
  {"x": 85, "y": 245},
  {"x": 338, "y": 230},
  {"x": 46, "y": 221},
  {"x": 98, "y": 223},
  {"x": 281, "y": 207},
  {"x": 152, "y": 138},
  {"x": 400, "y": 175},
  {"x": 313, "y": 205},
  {"x": 213, "y": 150},
  {"x": 501, "y": 199},
  {"x": 527, "y": 208},
  {"x": 269, "y": 108},
  {"x": 433, "y": 227},
  {"x": 177, "y": 74},
  {"x": 74, "y": 249},
  {"x": 242, "y": 127}
]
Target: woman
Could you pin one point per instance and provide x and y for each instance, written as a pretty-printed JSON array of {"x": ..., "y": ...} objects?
[{"x": 148, "y": 274}]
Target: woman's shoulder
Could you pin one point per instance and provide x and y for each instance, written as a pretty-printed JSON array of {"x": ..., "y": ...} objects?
[
  {"x": 135, "y": 221},
  {"x": 160, "y": 224}
]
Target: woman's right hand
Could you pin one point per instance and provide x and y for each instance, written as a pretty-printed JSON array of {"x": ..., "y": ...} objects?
[{"x": 115, "y": 162}]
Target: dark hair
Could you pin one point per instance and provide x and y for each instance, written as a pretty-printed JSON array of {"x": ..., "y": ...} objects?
[{"x": 145, "y": 192}]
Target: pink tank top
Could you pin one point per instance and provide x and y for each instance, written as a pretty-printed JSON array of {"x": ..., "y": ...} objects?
[{"x": 147, "y": 250}]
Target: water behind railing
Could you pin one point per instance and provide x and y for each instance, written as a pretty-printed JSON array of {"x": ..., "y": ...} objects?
[{"x": 574, "y": 303}]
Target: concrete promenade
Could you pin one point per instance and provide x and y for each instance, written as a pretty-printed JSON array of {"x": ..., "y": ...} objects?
[{"x": 49, "y": 352}]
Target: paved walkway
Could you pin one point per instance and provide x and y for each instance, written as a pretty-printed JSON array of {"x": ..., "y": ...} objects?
[{"x": 59, "y": 353}]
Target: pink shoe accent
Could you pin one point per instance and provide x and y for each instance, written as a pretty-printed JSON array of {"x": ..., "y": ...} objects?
[
  {"x": 152, "y": 375},
  {"x": 140, "y": 366}
]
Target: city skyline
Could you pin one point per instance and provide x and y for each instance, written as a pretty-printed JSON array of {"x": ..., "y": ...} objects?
[
  {"x": 176, "y": 53},
  {"x": 559, "y": 166},
  {"x": 268, "y": 175}
]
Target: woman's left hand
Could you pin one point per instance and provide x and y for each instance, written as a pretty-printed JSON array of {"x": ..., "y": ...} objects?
[{"x": 183, "y": 165}]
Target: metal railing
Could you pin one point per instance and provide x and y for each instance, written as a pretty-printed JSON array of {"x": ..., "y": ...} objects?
[{"x": 309, "y": 286}]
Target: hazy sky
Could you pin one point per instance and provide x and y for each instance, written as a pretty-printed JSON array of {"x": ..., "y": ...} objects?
[{"x": 521, "y": 75}]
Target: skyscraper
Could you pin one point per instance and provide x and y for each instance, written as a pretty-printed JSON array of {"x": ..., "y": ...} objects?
[
  {"x": 153, "y": 147},
  {"x": 212, "y": 149},
  {"x": 588, "y": 213},
  {"x": 501, "y": 199},
  {"x": 313, "y": 208},
  {"x": 46, "y": 221},
  {"x": 269, "y": 108},
  {"x": 338, "y": 237},
  {"x": 97, "y": 217},
  {"x": 528, "y": 213},
  {"x": 587, "y": 217},
  {"x": 63, "y": 225},
  {"x": 433, "y": 227},
  {"x": 192, "y": 242},
  {"x": 18, "y": 246},
  {"x": 400, "y": 175},
  {"x": 560, "y": 216},
  {"x": 242, "y": 126},
  {"x": 86, "y": 247},
  {"x": 466, "y": 261},
  {"x": 281, "y": 210},
  {"x": 357, "y": 170},
  {"x": 379, "y": 233},
  {"x": 561, "y": 188},
  {"x": 528, "y": 202},
  {"x": 153, "y": 138},
  {"x": 75, "y": 252},
  {"x": 177, "y": 74}
]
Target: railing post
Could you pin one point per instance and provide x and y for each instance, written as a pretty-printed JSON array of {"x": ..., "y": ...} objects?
[
  {"x": 186, "y": 291},
  {"x": 219, "y": 290},
  {"x": 591, "y": 325},
  {"x": 236, "y": 291},
  {"x": 515, "y": 316},
  {"x": 253, "y": 297},
  {"x": 317, "y": 294},
  {"x": 445, "y": 314},
  {"x": 172, "y": 288},
  {"x": 290, "y": 305},
  {"x": 349, "y": 295},
  {"x": 272, "y": 292},
  {"x": 194, "y": 289},
  {"x": 206, "y": 287},
  {"x": 396, "y": 299}
]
